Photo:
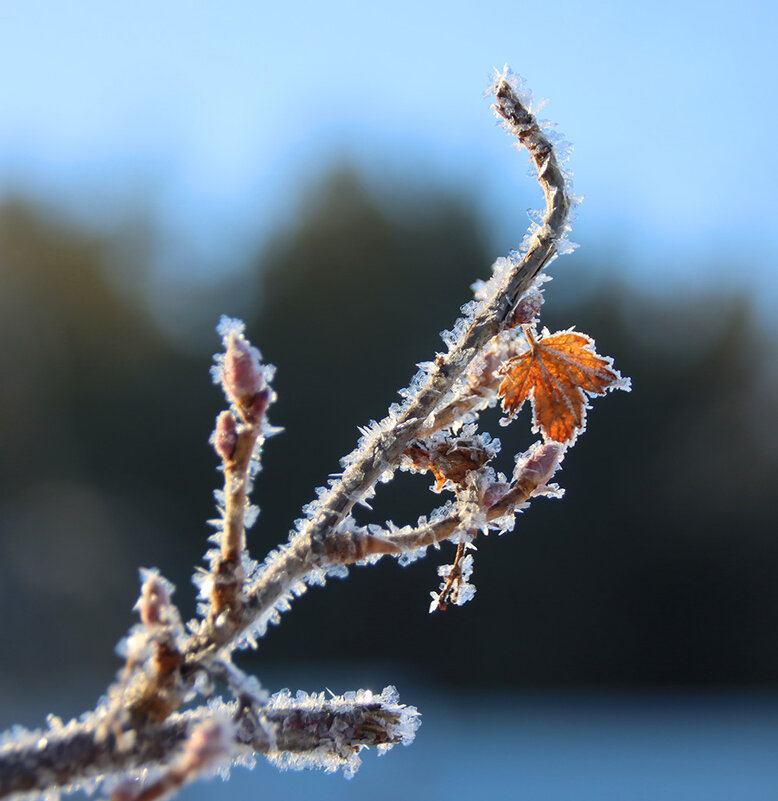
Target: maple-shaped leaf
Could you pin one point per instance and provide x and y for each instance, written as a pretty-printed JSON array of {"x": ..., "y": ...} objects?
[{"x": 556, "y": 373}]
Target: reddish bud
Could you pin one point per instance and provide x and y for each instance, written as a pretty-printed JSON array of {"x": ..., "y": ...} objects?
[
  {"x": 540, "y": 463},
  {"x": 208, "y": 741},
  {"x": 527, "y": 309},
  {"x": 242, "y": 375},
  {"x": 494, "y": 493},
  {"x": 225, "y": 435},
  {"x": 154, "y": 600}
]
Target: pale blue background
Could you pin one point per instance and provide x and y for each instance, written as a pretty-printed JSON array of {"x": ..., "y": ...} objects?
[
  {"x": 212, "y": 118},
  {"x": 216, "y": 115}
]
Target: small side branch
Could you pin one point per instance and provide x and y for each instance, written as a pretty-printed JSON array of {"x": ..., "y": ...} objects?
[
  {"x": 238, "y": 437},
  {"x": 137, "y": 740},
  {"x": 354, "y": 546},
  {"x": 382, "y": 450},
  {"x": 346, "y": 547}
]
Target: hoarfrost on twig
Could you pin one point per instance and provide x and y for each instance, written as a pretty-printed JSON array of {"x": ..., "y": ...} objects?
[{"x": 138, "y": 743}]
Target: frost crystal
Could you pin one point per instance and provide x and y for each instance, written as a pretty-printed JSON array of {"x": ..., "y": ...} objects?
[
  {"x": 349, "y": 715},
  {"x": 434, "y": 428}
]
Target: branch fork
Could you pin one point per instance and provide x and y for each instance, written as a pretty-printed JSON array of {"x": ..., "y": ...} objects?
[{"x": 140, "y": 729}]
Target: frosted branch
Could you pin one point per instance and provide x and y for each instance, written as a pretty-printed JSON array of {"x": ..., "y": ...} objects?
[
  {"x": 138, "y": 741},
  {"x": 382, "y": 450},
  {"x": 238, "y": 437},
  {"x": 327, "y": 733},
  {"x": 382, "y": 447}
]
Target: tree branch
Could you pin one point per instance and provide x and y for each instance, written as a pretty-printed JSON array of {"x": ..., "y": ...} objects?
[
  {"x": 330, "y": 733},
  {"x": 381, "y": 449},
  {"x": 139, "y": 729}
]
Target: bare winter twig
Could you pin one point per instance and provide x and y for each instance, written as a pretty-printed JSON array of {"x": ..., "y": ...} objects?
[{"x": 140, "y": 728}]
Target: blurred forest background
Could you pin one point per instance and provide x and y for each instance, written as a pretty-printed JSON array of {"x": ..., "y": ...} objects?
[
  {"x": 658, "y": 567},
  {"x": 332, "y": 175}
]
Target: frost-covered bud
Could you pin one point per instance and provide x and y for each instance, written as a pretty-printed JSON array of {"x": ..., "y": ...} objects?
[
  {"x": 154, "y": 602},
  {"x": 494, "y": 492},
  {"x": 225, "y": 435},
  {"x": 242, "y": 374},
  {"x": 210, "y": 740},
  {"x": 527, "y": 309},
  {"x": 539, "y": 463}
]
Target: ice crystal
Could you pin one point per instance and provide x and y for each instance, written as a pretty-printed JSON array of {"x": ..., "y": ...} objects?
[{"x": 168, "y": 665}]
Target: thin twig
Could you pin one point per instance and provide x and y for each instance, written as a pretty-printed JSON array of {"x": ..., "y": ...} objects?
[
  {"x": 138, "y": 726},
  {"x": 383, "y": 450}
]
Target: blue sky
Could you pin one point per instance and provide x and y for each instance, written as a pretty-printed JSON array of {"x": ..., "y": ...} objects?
[{"x": 218, "y": 114}]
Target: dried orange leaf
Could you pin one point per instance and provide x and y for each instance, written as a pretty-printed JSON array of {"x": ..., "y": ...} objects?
[{"x": 557, "y": 373}]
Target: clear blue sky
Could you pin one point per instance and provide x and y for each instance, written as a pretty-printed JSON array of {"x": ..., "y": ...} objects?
[{"x": 216, "y": 112}]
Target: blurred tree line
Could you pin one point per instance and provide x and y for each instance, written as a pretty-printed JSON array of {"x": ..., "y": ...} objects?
[{"x": 660, "y": 565}]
